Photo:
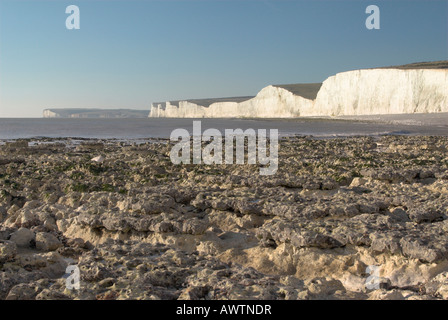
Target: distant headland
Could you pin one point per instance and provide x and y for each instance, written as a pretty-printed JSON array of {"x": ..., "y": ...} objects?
[{"x": 94, "y": 113}]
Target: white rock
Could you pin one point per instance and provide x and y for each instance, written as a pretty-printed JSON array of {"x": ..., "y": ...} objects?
[
  {"x": 359, "y": 182},
  {"x": 98, "y": 159}
]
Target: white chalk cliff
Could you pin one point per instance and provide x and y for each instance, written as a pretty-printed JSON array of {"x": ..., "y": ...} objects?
[
  {"x": 270, "y": 102},
  {"x": 359, "y": 92},
  {"x": 383, "y": 91}
]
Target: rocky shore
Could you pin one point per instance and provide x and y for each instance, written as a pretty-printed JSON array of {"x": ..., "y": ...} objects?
[{"x": 139, "y": 227}]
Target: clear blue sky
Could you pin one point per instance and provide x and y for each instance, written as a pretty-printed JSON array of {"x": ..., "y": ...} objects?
[{"x": 128, "y": 54}]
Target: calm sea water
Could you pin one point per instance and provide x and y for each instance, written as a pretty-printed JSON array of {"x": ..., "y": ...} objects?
[{"x": 161, "y": 128}]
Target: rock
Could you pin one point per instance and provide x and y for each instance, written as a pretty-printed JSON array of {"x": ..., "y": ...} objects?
[
  {"x": 27, "y": 219},
  {"x": 27, "y": 291},
  {"x": 382, "y": 294},
  {"x": 6, "y": 232},
  {"x": 442, "y": 291},
  {"x": 47, "y": 242},
  {"x": 33, "y": 204},
  {"x": 98, "y": 159},
  {"x": 2, "y": 213},
  {"x": 109, "y": 295},
  {"x": 8, "y": 251},
  {"x": 47, "y": 294},
  {"x": 438, "y": 286},
  {"x": 106, "y": 283},
  {"x": 399, "y": 215},
  {"x": 194, "y": 226},
  {"x": 4, "y": 161},
  {"x": 50, "y": 264},
  {"x": 23, "y": 237},
  {"x": 418, "y": 248},
  {"x": 224, "y": 231},
  {"x": 22, "y": 291},
  {"x": 321, "y": 287},
  {"x": 358, "y": 182},
  {"x": 77, "y": 243},
  {"x": 194, "y": 293},
  {"x": 421, "y": 215}
]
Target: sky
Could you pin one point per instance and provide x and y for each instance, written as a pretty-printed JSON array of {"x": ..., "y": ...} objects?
[{"x": 128, "y": 54}]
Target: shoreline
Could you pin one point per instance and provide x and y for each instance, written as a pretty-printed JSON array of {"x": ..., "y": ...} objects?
[
  {"x": 374, "y": 117},
  {"x": 127, "y": 129}
]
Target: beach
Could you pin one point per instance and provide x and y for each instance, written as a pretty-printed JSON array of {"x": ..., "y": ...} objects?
[
  {"x": 360, "y": 217},
  {"x": 243, "y": 155}
]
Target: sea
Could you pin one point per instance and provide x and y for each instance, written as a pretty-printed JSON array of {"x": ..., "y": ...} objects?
[{"x": 145, "y": 128}]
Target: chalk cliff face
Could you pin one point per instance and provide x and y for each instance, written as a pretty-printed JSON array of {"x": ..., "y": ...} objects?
[
  {"x": 359, "y": 92},
  {"x": 270, "y": 102},
  {"x": 383, "y": 91},
  {"x": 50, "y": 114}
]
